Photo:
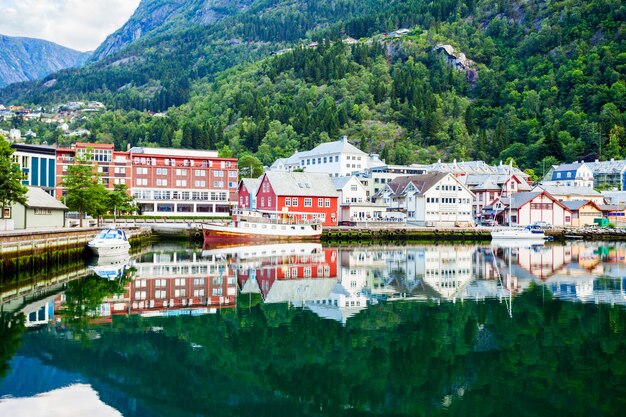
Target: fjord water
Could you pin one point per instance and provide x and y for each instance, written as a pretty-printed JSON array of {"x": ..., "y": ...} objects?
[{"x": 301, "y": 330}]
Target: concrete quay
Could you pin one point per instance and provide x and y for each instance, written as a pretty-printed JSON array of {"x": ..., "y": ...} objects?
[{"x": 37, "y": 241}]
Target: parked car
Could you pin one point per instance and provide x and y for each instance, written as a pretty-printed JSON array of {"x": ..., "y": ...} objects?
[
  {"x": 541, "y": 225},
  {"x": 489, "y": 222}
]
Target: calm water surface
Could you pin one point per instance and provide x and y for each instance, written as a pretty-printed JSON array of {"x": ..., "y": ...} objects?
[{"x": 306, "y": 330}]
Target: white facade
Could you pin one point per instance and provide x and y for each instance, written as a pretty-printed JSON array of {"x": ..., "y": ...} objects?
[
  {"x": 336, "y": 159},
  {"x": 435, "y": 199}
]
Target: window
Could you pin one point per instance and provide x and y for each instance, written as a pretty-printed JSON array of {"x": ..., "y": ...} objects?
[
  {"x": 327, "y": 202},
  {"x": 181, "y": 172},
  {"x": 199, "y": 172},
  {"x": 161, "y": 182},
  {"x": 269, "y": 201},
  {"x": 308, "y": 202},
  {"x": 288, "y": 202},
  {"x": 142, "y": 171},
  {"x": 353, "y": 188},
  {"x": 199, "y": 184},
  {"x": 320, "y": 202},
  {"x": 218, "y": 173},
  {"x": 181, "y": 183},
  {"x": 294, "y": 202},
  {"x": 159, "y": 171},
  {"x": 141, "y": 181},
  {"x": 232, "y": 174}
]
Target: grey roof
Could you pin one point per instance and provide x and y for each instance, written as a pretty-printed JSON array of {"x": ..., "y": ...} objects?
[
  {"x": 612, "y": 207},
  {"x": 340, "y": 182},
  {"x": 339, "y": 146},
  {"x": 574, "y": 204},
  {"x": 477, "y": 167},
  {"x": 422, "y": 182},
  {"x": 605, "y": 167},
  {"x": 569, "y": 190},
  {"x": 38, "y": 198},
  {"x": 306, "y": 184},
  {"x": 252, "y": 184},
  {"x": 519, "y": 199},
  {"x": 569, "y": 167}
]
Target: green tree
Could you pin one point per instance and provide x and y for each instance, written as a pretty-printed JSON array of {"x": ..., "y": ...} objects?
[
  {"x": 249, "y": 166},
  {"x": 120, "y": 200},
  {"x": 83, "y": 192},
  {"x": 11, "y": 189}
]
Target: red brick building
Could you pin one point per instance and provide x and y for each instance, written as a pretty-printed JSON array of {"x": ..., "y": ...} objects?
[
  {"x": 306, "y": 195},
  {"x": 183, "y": 182},
  {"x": 166, "y": 182},
  {"x": 112, "y": 166}
]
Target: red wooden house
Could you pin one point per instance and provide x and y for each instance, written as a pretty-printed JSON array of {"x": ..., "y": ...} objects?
[{"x": 305, "y": 195}]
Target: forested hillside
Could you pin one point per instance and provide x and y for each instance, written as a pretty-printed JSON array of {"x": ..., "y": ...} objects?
[{"x": 548, "y": 84}]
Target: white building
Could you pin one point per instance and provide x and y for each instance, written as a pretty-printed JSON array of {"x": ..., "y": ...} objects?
[
  {"x": 353, "y": 203},
  {"x": 375, "y": 177},
  {"x": 433, "y": 199},
  {"x": 338, "y": 159},
  {"x": 577, "y": 174}
]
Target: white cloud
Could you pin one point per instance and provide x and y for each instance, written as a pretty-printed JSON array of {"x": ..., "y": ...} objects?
[{"x": 76, "y": 24}]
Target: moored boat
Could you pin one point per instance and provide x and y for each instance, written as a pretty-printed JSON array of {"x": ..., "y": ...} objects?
[
  {"x": 110, "y": 242},
  {"x": 527, "y": 232},
  {"x": 256, "y": 225}
]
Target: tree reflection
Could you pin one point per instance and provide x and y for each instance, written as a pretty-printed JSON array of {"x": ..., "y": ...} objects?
[
  {"x": 471, "y": 358},
  {"x": 11, "y": 329}
]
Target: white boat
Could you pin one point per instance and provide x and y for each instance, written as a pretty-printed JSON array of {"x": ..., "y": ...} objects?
[
  {"x": 110, "y": 242},
  {"x": 527, "y": 232},
  {"x": 252, "y": 225}
]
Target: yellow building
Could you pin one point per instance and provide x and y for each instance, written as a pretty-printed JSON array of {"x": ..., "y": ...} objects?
[{"x": 583, "y": 212}]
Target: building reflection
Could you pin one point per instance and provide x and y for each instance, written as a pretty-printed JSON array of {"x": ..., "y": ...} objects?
[{"x": 338, "y": 283}]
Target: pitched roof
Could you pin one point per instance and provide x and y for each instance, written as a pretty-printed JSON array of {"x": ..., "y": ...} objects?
[
  {"x": 607, "y": 166},
  {"x": 422, "y": 182},
  {"x": 341, "y": 182},
  {"x": 338, "y": 146},
  {"x": 306, "y": 184},
  {"x": 575, "y": 204},
  {"x": 612, "y": 207},
  {"x": 569, "y": 167},
  {"x": 251, "y": 184},
  {"x": 38, "y": 198}
]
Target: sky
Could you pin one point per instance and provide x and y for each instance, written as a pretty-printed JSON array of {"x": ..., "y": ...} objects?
[{"x": 76, "y": 24}]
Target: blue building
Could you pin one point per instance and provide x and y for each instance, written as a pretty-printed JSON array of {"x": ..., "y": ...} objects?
[{"x": 38, "y": 163}]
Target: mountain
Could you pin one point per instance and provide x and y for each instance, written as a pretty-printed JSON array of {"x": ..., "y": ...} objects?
[
  {"x": 154, "y": 17},
  {"x": 535, "y": 81},
  {"x": 24, "y": 59}
]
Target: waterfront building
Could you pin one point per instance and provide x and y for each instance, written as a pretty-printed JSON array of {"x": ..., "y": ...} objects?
[
  {"x": 246, "y": 192},
  {"x": 524, "y": 208},
  {"x": 305, "y": 195},
  {"x": 40, "y": 210},
  {"x": 38, "y": 164},
  {"x": 182, "y": 182},
  {"x": 584, "y": 212},
  {"x": 488, "y": 187},
  {"x": 616, "y": 213},
  {"x": 113, "y": 167},
  {"x": 433, "y": 199},
  {"x": 164, "y": 182},
  {"x": 571, "y": 193},
  {"x": 354, "y": 205}
]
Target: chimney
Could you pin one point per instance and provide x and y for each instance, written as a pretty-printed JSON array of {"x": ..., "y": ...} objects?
[
  {"x": 597, "y": 160},
  {"x": 344, "y": 138}
]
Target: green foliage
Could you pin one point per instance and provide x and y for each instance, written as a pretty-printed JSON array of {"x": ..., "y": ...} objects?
[
  {"x": 249, "y": 166},
  {"x": 83, "y": 191},
  {"x": 11, "y": 189},
  {"x": 551, "y": 81}
]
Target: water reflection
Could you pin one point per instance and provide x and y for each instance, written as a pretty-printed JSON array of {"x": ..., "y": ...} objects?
[{"x": 302, "y": 329}]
